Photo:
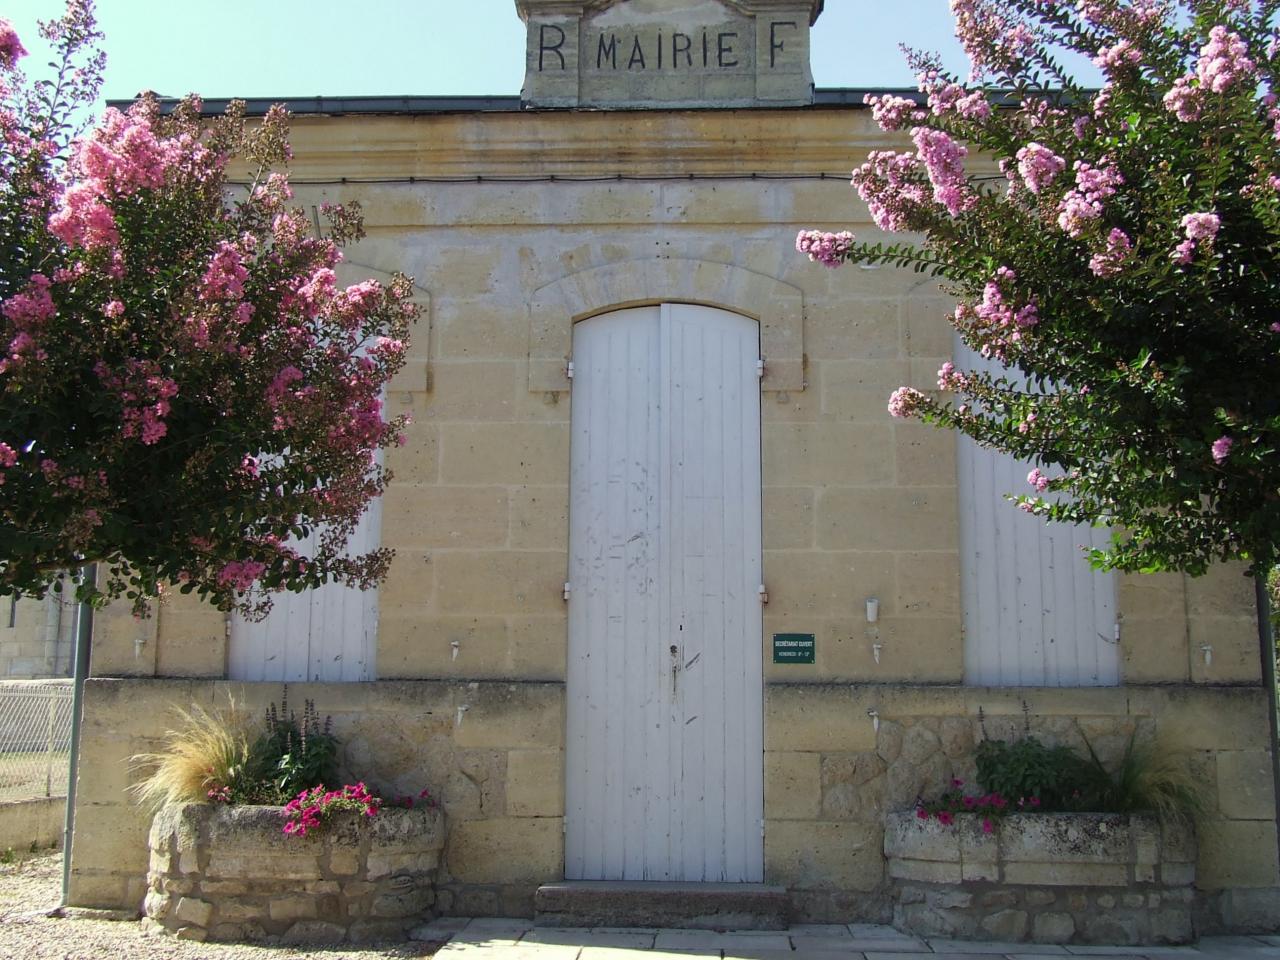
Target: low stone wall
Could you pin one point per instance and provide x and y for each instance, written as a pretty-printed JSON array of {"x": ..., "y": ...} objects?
[
  {"x": 32, "y": 824},
  {"x": 1048, "y": 878},
  {"x": 230, "y": 873}
]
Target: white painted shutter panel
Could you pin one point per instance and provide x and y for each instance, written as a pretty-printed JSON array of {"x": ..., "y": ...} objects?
[
  {"x": 328, "y": 634},
  {"x": 665, "y": 698},
  {"x": 1035, "y": 613}
]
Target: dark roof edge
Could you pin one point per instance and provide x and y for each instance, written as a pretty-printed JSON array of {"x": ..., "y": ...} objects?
[{"x": 411, "y": 106}]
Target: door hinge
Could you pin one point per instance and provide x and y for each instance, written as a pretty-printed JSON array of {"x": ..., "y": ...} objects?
[
  {"x": 566, "y": 590},
  {"x": 568, "y": 369},
  {"x": 764, "y": 594},
  {"x": 760, "y": 368}
]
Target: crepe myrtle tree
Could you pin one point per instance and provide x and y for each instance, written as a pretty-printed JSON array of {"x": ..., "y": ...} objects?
[
  {"x": 185, "y": 391},
  {"x": 1120, "y": 259}
]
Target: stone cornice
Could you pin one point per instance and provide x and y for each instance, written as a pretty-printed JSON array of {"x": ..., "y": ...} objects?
[{"x": 802, "y": 141}]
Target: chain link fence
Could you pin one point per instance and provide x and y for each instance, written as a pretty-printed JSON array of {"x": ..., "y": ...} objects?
[{"x": 35, "y": 738}]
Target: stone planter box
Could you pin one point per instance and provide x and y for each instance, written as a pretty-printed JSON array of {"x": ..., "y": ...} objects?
[
  {"x": 1045, "y": 877},
  {"x": 230, "y": 873}
]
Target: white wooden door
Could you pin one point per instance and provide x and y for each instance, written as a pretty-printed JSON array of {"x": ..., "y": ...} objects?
[
  {"x": 664, "y": 758},
  {"x": 321, "y": 635}
]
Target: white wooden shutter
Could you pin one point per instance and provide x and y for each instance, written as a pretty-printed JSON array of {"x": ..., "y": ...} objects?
[
  {"x": 1035, "y": 613},
  {"x": 328, "y": 634}
]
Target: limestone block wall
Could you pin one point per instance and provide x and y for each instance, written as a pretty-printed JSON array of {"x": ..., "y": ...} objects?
[
  {"x": 490, "y": 752},
  {"x": 37, "y": 637}
]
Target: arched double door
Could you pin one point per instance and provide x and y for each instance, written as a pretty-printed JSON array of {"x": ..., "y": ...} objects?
[{"x": 664, "y": 754}]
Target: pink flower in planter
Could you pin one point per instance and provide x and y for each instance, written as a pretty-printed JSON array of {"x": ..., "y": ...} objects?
[{"x": 986, "y": 825}]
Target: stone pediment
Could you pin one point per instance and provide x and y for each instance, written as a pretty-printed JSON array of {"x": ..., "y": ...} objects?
[{"x": 652, "y": 54}]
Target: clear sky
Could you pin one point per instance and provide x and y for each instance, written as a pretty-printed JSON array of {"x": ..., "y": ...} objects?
[{"x": 306, "y": 48}]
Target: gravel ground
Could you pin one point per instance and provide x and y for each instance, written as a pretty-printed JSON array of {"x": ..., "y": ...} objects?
[{"x": 30, "y": 887}]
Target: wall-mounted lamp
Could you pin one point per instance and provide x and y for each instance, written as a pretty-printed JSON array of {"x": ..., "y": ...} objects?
[{"x": 873, "y": 610}]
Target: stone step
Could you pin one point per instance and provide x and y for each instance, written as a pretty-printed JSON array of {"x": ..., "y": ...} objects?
[{"x": 691, "y": 906}]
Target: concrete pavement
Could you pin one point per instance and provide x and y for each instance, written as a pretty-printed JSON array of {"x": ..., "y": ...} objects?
[{"x": 505, "y": 939}]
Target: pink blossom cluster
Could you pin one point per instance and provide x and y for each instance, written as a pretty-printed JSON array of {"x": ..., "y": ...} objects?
[
  {"x": 889, "y": 184},
  {"x": 1200, "y": 228},
  {"x": 996, "y": 321},
  {"x": 1111, "y": 259},
  {"x": 1184, "y": 101},
  {"x": 1083, "y": 205},
  {"x": 1038, "y": 480},
  {"x": 990, "y": 40},
  {"x": 28, "y": 311},
  {"x": 8, "y": 457},
  {"x": 241, "y": 575},
  {"x": 943, "y": 161},
  {"x": 305, "y": 812},
  {"x": 1224, "y": 61},
  {"x": 829, "y": 249},
  {"x": 953, "y": 98},
  {"x": 225, "y": 277},
  {"x": 1118, "y": 57},
  {"x": 144, "y": 394},
  {"x": 1221, "y": 449},
  {"x": 893, "y": 113},
  {"x": 423, "y": 798},
  {"x": 280, "y": 384},
  {"x": 904, "y": 401},
  {"x": 11, "y": 48},
  {"x": 387, "y": 347},
  {"x": 123, "y": 155},
  {"x": 273, "y": 193},
  {"x": 1038, "y": 165},
  {"x": 949, "y": 378}
]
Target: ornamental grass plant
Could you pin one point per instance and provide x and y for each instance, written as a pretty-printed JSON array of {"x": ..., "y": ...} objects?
[{"x": 206, "y": 753}]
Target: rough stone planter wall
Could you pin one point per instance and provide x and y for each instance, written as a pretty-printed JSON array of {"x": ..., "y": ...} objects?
[
  {"x": 1048, "y": 878},
  {"x": 229, "y": 873}
]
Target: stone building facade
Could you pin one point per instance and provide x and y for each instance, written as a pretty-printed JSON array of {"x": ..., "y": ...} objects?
[{"x": 601, "y": 191}]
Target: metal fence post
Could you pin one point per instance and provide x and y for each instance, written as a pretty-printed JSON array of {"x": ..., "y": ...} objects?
[{"x": 48, "y": 749}]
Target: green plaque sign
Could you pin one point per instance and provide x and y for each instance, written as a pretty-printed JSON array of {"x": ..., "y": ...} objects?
[{"x": 793, "y": 648}]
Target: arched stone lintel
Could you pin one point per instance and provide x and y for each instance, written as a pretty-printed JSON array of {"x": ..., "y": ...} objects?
[{"x": 555, "y": 307}]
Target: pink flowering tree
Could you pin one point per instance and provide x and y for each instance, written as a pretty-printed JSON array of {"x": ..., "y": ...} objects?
[
  {"x": 184, "y": 389},
  {"x": 1116, "y": 250}
]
